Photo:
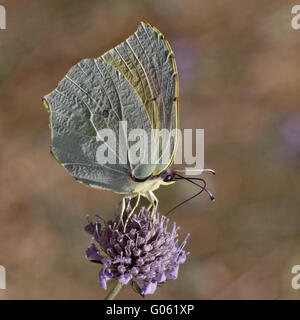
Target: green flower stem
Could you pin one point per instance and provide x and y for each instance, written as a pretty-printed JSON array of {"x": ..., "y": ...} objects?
[{"x": 114, "y": 291}]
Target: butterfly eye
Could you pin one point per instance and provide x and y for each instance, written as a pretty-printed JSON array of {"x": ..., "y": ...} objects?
[{"x": 168, "y": 178}]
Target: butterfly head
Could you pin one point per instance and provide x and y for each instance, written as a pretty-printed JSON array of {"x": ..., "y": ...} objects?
[{"x": 168, "y": 176}]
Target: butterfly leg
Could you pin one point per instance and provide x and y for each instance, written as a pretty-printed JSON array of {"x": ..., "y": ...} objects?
[
  {"x": 132, "y": 210},
  {"x": 153, "y": 204},
  {"x": 124, "y": 207},
  {"x": 154, "y": 208}
]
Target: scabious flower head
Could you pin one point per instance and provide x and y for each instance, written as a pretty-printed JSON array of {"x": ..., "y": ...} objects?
[{"x": 145, "y": 252}]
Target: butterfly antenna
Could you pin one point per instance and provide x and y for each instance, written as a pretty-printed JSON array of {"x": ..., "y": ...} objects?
[
  {"x": 211, "y": 196},
  {"x": 203, "y": 188},
  {"x": 198, "y": 171}
]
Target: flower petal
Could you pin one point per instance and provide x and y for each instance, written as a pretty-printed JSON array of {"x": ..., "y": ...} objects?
[
  {"x": 92, "y": 252},
  {"x": 125, "y": 278},
  {"x": 103, "y": 277},
  {"x": 90, "y": 228},
  {"x": 173, "y": 274},
  {"x": 94, "y": 229},
  {"x": 182, "y": 257},
  {"x": 161, "y": 277},
  {"x": 149, "y": 288}
]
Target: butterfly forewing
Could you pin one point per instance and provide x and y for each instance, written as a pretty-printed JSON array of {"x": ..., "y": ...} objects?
[{"x": 147, "y": 62}]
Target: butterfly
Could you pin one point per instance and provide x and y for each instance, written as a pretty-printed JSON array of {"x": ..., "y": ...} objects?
[{"x": 135, "y": 82}]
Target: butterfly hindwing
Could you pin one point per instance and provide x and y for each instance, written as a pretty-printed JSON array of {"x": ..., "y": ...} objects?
[{"x": 94, "y": 96}]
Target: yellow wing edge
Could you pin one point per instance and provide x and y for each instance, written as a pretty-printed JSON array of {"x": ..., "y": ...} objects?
[{"x": 171, "y": 53}]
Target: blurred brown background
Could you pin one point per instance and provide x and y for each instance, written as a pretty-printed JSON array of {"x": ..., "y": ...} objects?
[{"x": 239, "y": 75}]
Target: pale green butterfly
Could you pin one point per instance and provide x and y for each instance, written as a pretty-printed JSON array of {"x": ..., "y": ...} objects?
[{"x": 137, "y": 82}]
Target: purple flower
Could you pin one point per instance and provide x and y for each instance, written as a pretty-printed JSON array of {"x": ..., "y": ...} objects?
[{"x": 144, "y": 252}]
